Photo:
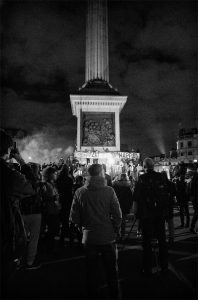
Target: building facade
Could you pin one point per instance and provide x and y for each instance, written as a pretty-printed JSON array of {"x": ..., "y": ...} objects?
[{"x": 187, "y": 145}]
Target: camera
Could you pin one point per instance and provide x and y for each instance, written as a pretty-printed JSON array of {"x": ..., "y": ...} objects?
[{"x": 13, "y": 151}]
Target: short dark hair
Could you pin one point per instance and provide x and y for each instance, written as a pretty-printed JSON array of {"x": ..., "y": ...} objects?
[
  {"x": 148, "y": 163},
  {"x": 48, "y": 171},
  {"x": 95, "y": 169},
  {"x": 123, "y": 176},
  {"x": 6, "y": 142}
]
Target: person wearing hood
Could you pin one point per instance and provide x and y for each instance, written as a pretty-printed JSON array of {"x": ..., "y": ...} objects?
[
  {"x": 96, "y": 209},
  {"x": 123, "y": 191}
]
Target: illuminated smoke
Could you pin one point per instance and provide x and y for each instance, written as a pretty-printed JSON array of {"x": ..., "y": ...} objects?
[
  {"x": 156, "y": 135},
  {"x": 44, "y": 147}
]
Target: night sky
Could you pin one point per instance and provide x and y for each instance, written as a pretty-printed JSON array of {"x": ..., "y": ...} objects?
[{"x": 153, "y": 60}]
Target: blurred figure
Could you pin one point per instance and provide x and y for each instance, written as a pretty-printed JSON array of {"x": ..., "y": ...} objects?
[
  {"x": 96, "y": 209},
  {"x": 171, "y": 196},
  {"x": 182, "y": 200},
  {"x": 60, "y": 164},
  {"x": 31, "y": 212},
  {"x": 107, "y": 176},
  {"x": 64, "y": 185},
  {"x": 14, "y": 187},
  {"x": 193, "y": 193},
  {"x": 51, "y": 207},
  {"x": 123, "y": 191},
  {"x": 75, "y": 232}
]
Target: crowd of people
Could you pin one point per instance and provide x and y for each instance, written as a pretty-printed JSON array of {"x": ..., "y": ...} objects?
[{"x": 39, "y": 203}]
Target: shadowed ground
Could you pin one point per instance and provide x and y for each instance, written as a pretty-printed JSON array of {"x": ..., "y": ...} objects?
[{"x": 62, "y": 276}]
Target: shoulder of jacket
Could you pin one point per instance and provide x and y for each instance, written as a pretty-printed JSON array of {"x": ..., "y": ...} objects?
[{"x": 81, "y": 190}]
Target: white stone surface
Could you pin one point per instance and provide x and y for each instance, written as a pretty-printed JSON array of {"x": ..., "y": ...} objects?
[
  {"x": 98, "y": 103},
  {"x": 97, "y": 57}
]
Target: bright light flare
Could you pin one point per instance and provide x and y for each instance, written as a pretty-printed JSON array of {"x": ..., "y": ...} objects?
[{"x": 110, "y": 159}]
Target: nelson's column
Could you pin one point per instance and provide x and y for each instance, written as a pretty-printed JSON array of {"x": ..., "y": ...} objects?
[{"x": 97, "y": 105}]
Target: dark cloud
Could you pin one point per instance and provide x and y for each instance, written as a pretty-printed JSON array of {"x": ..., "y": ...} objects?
[
  {"x": 20, "y": 113},
  {"x": 42, "y": 45}
]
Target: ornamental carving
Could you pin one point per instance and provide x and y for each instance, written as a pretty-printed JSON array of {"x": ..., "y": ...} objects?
[{"x": 98, "y": 132}]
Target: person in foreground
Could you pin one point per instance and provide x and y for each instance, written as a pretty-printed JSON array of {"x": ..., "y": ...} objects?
[
  {"x": 96, "y": 209},
  {"x": 151, "y": 199}
]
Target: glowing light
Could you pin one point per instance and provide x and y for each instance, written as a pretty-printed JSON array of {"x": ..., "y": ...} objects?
[
  {"x": 29, "y": 157},
  {"x": 155, "y": 132},
  {"x": 110, "y": 159}
]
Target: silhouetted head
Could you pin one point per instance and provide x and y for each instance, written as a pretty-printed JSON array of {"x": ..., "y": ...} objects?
[
  {"x": 35, "y": 168},
  {"x": 123, "y": 177},
  {"x": 148, "y": 163},
  {"x": 49, "y": 174},
  {"x": 96, "y": 170},
  {"x": 79, "y": 179},
  {"x": 64, "y": 170}
]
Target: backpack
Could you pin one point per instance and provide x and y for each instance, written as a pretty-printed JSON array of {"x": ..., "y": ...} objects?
[{"x": 155, "y": 196}]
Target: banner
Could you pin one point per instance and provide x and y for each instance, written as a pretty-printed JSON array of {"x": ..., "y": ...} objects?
[{"x": 115, "y": 155}]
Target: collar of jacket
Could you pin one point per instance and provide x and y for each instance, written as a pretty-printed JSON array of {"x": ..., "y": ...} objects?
[{"x": 95, "y": 182}]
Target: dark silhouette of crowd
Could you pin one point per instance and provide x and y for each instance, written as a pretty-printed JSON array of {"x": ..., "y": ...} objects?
[{"x": 42, "y": 202}]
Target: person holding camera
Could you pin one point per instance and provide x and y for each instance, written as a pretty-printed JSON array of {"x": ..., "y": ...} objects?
[
  {"x": 14, "y": 187},
  {"x": 31, "y": 212},
  {"x": 95, "y": 208}
]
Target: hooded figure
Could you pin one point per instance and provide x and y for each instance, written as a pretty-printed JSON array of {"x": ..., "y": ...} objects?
[{"x": 96, "y": 209}]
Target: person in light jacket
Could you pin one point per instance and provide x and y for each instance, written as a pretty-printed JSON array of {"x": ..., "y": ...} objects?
[{"x": 96, "y": 210}]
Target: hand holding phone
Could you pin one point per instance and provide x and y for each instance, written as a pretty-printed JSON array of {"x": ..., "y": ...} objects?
[{"x": 14, "y": 151}]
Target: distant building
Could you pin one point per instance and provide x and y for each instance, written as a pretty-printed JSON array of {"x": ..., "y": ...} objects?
[
  {"x": 187, "y": 145},
  {"x": 179, "y": 159}
]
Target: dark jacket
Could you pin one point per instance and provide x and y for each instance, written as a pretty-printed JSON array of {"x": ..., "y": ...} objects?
[
  {"x": 171, "y": 194},
  {"x": 95, "y": 207},
  {"x": 14, "y": 188},
  {"x": 124, "y": 194},
  {"x": 194, "y": 189},
  {"x": 64, "y": 186},
  {"x": 51, "y": 204},
  {"x": 31, "y": 204},
  {"x": 151, "y": 196},
  {"x": 181, "y": 191}
]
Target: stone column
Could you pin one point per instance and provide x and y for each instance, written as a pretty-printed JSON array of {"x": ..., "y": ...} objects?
[{"x": 97, "y": 56}]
